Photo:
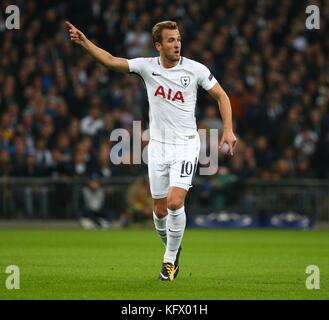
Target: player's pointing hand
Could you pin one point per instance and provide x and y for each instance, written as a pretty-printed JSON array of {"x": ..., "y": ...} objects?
[
  {"x": 75, "y": 34},
  {"x": 229, "y": 138}
]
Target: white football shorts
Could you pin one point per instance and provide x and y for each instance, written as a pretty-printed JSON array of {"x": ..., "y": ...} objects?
[{"x": 172, "y": 165}]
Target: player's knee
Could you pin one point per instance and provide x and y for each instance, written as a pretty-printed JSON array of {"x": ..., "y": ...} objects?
[
  {"x": 160, "y": 211},
  {"x": 175, "y": 203}
]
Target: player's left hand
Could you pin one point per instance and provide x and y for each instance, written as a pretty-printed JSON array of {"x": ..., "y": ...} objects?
[{"x": 229, "y": 138}]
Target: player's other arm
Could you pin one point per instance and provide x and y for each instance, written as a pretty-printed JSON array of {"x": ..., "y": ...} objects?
[
  {"x": 225, "y": 109},
  {"x": 102, "y": 56}
]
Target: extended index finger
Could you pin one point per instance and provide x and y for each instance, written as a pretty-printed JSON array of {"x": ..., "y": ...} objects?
[{"x": 69, "y": 25}]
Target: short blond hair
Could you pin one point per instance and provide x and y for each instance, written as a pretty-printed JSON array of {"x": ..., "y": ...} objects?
[{"x": 157, "y": 30}]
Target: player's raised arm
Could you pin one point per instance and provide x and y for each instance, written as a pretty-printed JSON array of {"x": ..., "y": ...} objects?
[
  {"x": 102, "y": 56},
  {"x": 223, "y": 101}
]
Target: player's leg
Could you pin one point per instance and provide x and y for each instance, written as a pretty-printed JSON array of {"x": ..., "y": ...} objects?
[
  {"x": 159, "y": 185},
  {"x": 181, "y": 174},
  {"x": 160, "y": 215},
  {"x": 160, "y": 218},
  {"x": 176, "y": 222}
]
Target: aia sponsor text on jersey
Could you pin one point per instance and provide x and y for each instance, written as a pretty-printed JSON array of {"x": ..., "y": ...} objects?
[{"x": 170, "y": 95}]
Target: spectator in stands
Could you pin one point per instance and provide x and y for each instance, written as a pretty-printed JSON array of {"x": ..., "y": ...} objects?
[
  {"x": 211, "y": 119},
  {"x": 47, "y": 132},
  {"x": 43, "y": 157},
  {"x": 263, "y": 153},
  {"x": 5, "y": 168},
  {"x": 103, "y": 165},
  {"x": 7, "y": 130},
  {"x": 80, "y": 165},
  {"x": 74, "y": 131},
  {"x": 18, "y": 158},
  {"x": 92, "y": 123},
  {"x": 305, "y": 141},
  {"x": 93, "y": 210},
  {"x": 139, "y": 200},
  {"x": 62, "y": 118},
  {"x": 32, "y": 169},
  {"x": 282, "y": 170},
  {"x": 222, "y": 187},
  {"x": 62, "y": 155},
  {"x": 238, "y": 166},
  {"x": 138, "y": 42},
  {"x": 250, "y": 162},
  {"x": 303, "y": 169}
]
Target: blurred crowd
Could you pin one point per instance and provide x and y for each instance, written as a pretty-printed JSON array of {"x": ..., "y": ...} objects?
[{"x": 58, "y": 106}]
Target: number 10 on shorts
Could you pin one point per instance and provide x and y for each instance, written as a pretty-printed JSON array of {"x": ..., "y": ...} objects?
[{"x": 188, "y": 168}]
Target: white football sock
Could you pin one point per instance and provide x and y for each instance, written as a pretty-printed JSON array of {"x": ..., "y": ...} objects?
[
  {"x": 176, "y": 222},
  {"x": 160, "y": 227}
]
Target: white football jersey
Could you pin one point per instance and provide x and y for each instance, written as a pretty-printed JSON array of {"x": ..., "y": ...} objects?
[{"x": 172, "y": 95}]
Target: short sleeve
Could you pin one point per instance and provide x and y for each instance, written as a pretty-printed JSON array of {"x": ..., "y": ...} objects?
[
  {"x": 206, "y": 80},
  {"x": 136, "y": 65}
]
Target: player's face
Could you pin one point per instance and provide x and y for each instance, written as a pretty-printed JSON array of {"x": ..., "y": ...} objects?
[{"x": 171, "y": 44}]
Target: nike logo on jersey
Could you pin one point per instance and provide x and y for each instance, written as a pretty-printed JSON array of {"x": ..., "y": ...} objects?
[{"x": 155, "y": 74}]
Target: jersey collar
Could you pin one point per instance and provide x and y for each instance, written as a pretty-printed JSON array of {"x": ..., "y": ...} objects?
[{"x": 178, "y": 64}]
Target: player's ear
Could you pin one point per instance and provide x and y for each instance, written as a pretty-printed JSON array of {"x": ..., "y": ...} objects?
[{"x": 157, "y": 46}]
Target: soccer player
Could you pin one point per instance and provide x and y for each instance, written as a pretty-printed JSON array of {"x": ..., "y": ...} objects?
[{"x": 171, "y": 81}]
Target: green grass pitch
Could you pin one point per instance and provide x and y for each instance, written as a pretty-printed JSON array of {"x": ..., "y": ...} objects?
[{"x": 124, "y": 264}]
